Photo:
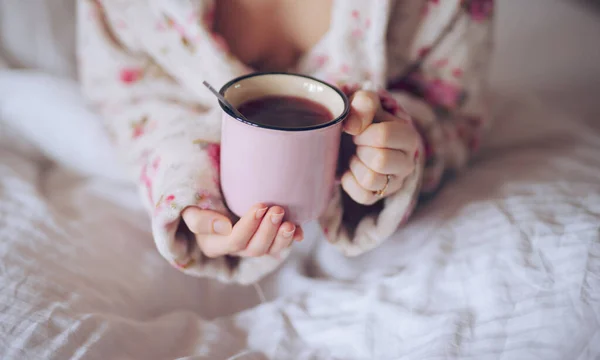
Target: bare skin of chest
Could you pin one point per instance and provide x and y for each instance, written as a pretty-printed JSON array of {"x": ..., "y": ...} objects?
[{"x": 271, "y": 35}]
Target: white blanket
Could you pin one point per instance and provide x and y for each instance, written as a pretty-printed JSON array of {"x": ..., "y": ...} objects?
[{"x": 503, "y": 264}]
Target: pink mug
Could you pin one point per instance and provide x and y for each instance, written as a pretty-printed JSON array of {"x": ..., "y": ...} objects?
[{"x": 290, "y": 167}]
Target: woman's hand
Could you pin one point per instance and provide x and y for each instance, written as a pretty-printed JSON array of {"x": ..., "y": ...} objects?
[
  {"x": 387, "y": 149},
  {"x": 261, "y": 231}
]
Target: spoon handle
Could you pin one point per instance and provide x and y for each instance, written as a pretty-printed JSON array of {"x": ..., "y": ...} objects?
[{"x": 223, "y": 100}]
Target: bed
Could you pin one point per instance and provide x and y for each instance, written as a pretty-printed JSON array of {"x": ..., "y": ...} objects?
[{"x": 503, "y": 264}]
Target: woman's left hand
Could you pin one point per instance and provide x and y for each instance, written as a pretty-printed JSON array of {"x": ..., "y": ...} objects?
[{"x": 386, "y": 153}]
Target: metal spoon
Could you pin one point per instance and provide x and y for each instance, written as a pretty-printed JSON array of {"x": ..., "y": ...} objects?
[{"x": 224, "y": 101}]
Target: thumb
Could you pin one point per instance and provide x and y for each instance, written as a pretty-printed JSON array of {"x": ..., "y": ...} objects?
[
  {"x": 206, "y": 222},
  {"x": 363, "y": 107}
]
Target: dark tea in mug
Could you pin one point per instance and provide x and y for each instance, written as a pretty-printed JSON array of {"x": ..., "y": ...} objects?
[{"x": 285, "y": 111}]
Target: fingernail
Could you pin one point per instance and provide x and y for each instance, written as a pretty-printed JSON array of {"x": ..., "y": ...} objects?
[
  {"x": 261, "y": 212},
  {"x": 222, "y": 227},
  {"x": 289, "y": 234},
  {"x": 276, "y": 218}
]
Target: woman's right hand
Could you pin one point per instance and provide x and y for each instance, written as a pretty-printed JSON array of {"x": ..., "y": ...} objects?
[{"x": 261, "y": 231}]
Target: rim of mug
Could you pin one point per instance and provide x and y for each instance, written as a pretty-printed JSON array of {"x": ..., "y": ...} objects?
[{"x": 336, "y": 120}]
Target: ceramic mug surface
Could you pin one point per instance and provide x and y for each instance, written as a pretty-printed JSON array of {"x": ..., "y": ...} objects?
[{"x": 290, "y": 167}]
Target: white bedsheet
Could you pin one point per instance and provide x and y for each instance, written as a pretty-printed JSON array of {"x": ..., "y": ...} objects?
[{"x": 503, "y": 264}]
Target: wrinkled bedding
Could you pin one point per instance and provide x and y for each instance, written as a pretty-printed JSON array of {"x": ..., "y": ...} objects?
[{"x": 503, "y": 264}]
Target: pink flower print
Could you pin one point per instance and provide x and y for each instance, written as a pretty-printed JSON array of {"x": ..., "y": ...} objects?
[
  {"x": 146, "y": 183},
  {"x": 179, "y": 28},
  {"x": 131, "y": 75},
  {"x": 169, "y": 22},
  {"x": 424, "y": 51},
  {"x": 156, "y": 164},
  {"x": 442, "y": 93},
  {"x": 163, "y": 201},
  {"x": 321, "y": 60},
  {"x": 169, "y": 199},
  {"x": 139, "y": 127},
  {"x": 479, "y": 10},
  {"x": 161, "y": 26},
  {"x": 203, "y": 200},
  {"x": 137, "y": 131},
  {"x": 146, "y": 177},
  {"x": 214, "y": 155},
  {"x": 345, "y": 69},
  {"x": 165, "y": 23},
  {"x": 358, "y": 33},
  {"x": 440, "y": 63},
  {"x": 457, "y": 73}
]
